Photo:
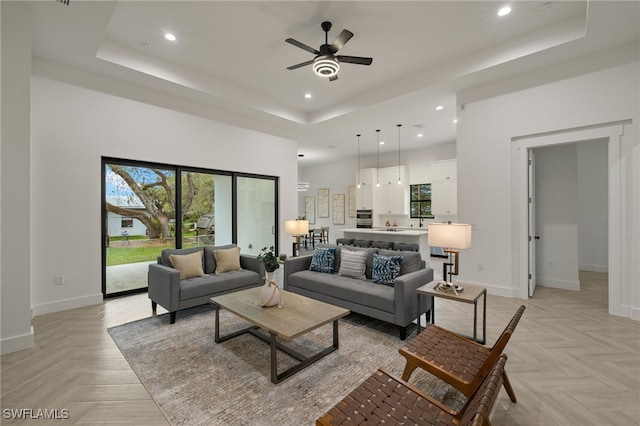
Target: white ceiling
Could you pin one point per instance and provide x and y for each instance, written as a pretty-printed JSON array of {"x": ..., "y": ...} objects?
[{"x": 232, "y": 57}]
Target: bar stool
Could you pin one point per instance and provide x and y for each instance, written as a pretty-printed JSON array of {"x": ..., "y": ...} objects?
[
  {"x": 362, "y": 243},
  {"x": 382, "y": 244},
  {"x": 344, "y": 241}
]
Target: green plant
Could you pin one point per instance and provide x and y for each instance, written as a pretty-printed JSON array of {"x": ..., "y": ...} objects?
[
  {"x": 269, "y": 259},
  {"x": 282, "y": 257}
]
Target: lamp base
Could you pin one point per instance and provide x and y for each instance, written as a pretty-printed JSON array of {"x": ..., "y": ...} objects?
[{"x": 449, "y": 287}]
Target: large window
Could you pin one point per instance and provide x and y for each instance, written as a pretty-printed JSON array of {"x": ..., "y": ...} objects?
[
  {"x": 420, "y": 203},
  {"x": 148, "y": 207}
]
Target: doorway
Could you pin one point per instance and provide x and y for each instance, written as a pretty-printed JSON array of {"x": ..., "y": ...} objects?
[
  {"x": 612, "y": 133},
  {"x": 570, "y": 199}
]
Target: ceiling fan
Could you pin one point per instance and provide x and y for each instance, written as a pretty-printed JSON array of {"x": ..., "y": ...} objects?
[{"x": 327, "y": 63}]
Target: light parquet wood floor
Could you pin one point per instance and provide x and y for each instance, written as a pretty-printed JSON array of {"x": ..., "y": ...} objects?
[{"x": 570, "y": 363}]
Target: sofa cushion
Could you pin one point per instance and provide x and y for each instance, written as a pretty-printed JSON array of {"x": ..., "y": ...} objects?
[
  {"x": 227, "y": 260},
  {"x": 323, "y": 260},
  {"x": 411, "y": 260},
  {"x": 217, "y": 284},
  {"x": 210, "y": 259},
  {"x": 385, "y": 269},
  {"x": 164, "y": 256},
  {"x": 364, "y": 292},
  {"x": 189, "y": 265},
  {"x": 352, "y": 263}
]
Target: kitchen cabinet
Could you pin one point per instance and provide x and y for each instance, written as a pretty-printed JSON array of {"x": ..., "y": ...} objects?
[
  {"x": 444, "y": 188},
  {"x": 366, "y": 178},
  {"x": 391, "y": 197}
]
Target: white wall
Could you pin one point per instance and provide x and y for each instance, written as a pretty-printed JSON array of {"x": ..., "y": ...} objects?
[
  {"x": 593, "y": 215},
  {"x": 72, "y": 128},
  {"x": 556, "y": 201},
  {"x": 484, "y": 144},
  {"x": 15, "y": 257}
]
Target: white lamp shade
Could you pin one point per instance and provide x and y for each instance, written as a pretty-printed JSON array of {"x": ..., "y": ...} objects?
[
  {"x": 449, "y": 235},
  {"x": 296, "y": 227}
]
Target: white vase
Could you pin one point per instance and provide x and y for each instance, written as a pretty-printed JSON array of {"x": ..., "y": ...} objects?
[{"x": 270, "y": 295}]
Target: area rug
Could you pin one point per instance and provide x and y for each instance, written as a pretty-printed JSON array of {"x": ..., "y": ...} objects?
[{"x": 195, "y": 381}]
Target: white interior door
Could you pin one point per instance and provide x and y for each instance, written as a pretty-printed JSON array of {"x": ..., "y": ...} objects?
[{"x": 533, "y": 238}]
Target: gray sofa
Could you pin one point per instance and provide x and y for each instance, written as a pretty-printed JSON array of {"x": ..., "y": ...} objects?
[
  {"x": 167, "y": 290},
  {"x": 396, "y": 305}
]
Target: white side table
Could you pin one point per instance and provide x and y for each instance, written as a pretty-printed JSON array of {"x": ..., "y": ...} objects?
[{"x": 469, "y": 294}]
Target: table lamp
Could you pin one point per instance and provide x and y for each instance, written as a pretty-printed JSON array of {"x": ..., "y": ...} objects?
[
  {"x": 452, "y": 237},
  {"x": 297, "y": 228}
]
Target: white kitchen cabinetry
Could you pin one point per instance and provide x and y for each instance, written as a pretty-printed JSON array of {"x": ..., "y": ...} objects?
[
  {"x": 364, "y": 195},
  {"x": 391, "y": 197},
  {"x": 444, "y": 188}
]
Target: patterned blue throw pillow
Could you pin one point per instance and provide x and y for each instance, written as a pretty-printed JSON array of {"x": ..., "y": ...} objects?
[
  {"x": 385, "y": 269},
  {"x": 323, "y": 260}
]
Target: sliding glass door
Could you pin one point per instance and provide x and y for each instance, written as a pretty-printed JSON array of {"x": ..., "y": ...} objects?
[
  {"x": 256, "y": 212},
  {"x": 141, "y": 218},
  {"x": 206, "y": 208}
]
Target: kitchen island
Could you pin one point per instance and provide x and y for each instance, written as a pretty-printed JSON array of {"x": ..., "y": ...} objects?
[{"x": 399, "y": 235}]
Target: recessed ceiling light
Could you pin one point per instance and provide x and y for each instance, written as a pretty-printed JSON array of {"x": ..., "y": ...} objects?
[
  {"x": 170, "y": 37},
  {"x": 455, "y": 120},
  {"x": 504, "y": 11},
  {"x": 307, "y": 95},
  {"x": 381, "y": 142},
  {"x": 439, "y": 108},
  {"x": 420, "y": 135}
]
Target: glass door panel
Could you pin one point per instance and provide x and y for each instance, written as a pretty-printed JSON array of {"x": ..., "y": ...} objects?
[
  {"x": 139, "y": 221},
  {"x": 206, "y": 209},
  {"x": 256, "y": 212}
]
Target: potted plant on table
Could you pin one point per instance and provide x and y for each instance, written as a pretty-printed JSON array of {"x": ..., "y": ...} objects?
[{"x": 270, "y": 295}]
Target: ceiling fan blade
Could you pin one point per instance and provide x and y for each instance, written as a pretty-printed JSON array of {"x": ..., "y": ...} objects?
[
  {"x": 300, "y": 65},
  {"x": 333, "y": 78},
  {"x": 302, "y": 46},
  {"x": 355, "y": 60},
  {"x": 341, "y": 40}
]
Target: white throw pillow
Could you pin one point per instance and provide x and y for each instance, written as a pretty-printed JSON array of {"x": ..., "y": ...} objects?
[{"x": 353, "y": 263}]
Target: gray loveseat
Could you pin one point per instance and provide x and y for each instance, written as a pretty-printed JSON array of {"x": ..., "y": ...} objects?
[
  {"x": 169, "y": 291},
  {"x": 395, "y": 304}
]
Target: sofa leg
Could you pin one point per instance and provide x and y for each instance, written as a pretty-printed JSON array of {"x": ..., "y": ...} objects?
[
  {"x": 403, "y": 332},
  {"x": 172, "y": 317},
  {"x": 154, "y": 306}
]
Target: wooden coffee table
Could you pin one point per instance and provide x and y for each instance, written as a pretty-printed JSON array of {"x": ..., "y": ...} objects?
[{"x": 297, "y": 316}]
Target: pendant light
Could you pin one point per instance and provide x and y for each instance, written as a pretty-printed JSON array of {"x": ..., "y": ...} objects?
[
  {"x": 399, "y": 180},
  {"x": 378, "y": 152},
  {"x": 358, "y": 184}
]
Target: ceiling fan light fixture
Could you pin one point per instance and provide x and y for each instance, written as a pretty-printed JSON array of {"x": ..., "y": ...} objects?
[{"x": 326, "y": 66}]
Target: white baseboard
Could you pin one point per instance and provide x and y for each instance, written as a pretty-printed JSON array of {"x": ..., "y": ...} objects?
[
  {"x": 494, "y": 289},
  {"x": 593, "y": 268},
  {"x": 17, "y": 343},
  {"x": 562, "y": 284},
  {"x": 635, "y": 314},
  {"x": 63, "y": 305}
]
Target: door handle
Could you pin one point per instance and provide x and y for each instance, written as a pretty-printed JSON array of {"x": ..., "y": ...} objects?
[{"x": 537, "y": 237}]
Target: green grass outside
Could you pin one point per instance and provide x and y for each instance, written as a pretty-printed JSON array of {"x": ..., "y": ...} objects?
[
  {"x": 124, "y": 255},
  {"x": 136, "y": 254}
]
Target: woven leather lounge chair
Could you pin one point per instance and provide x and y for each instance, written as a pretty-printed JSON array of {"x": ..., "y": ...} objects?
[
  {"x": 455, "y": 359},
  {"x": 384, "y": 399}
]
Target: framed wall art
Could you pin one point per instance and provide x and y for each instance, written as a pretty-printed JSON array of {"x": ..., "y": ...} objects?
[
  {"x": 338, "y": 209},
  {"x": 352, "y": 200},
  {"x": 310, "y": 209},
  {"x": 323, "y": 202}
]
